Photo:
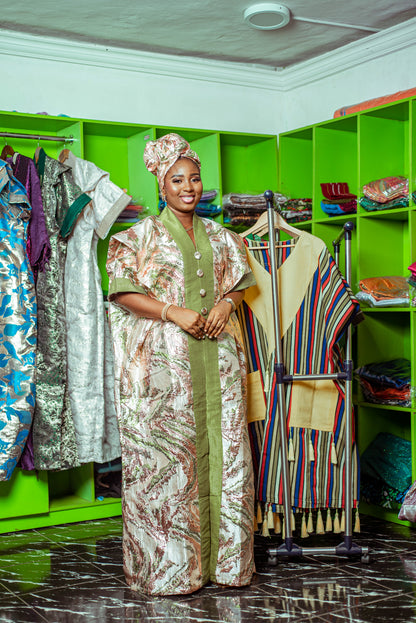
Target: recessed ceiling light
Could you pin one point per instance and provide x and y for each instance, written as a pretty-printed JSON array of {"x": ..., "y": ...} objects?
[{"x": 267, "y": 15}]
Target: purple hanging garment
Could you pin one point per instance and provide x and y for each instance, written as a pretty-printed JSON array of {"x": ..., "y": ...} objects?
[{"x": 38, "y": 245}]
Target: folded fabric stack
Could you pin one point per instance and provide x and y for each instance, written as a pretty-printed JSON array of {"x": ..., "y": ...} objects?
[
  {"x": 385, "y": 193},
  {"x": 244, "y": 209},
  {"x": 131, "y": 213},
  {"x": 384, "y": 292},
  {"x": 386, "y": 470},
  {"x": 338, "y": 199},
  {"x": 412, "y": 283},
  {"x": 204, "y": 208},
  {"x": 386, "y": 382},
  {"x": 296, "y": 210},
  {"x": 412, "y": 279}
]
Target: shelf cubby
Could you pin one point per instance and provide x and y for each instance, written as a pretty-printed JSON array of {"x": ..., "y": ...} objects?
[
  {"x": 357, "y": 149},
  {"x": 243, "y": 163}
]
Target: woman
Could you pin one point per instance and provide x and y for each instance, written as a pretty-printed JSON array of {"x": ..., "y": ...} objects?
[{"x": 180, "y": 389}]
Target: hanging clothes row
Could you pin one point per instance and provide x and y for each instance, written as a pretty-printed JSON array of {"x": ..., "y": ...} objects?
[{"x": 56, "y": 362}]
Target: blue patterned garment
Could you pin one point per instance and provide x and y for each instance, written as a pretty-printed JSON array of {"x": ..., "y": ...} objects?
[{"x": 17, "y": 323}]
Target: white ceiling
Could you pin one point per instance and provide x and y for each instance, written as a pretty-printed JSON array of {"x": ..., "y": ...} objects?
[{"x": 210, "y": 29}]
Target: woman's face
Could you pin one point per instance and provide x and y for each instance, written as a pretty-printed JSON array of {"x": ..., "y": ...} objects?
[{"x": 183, "y": 187}]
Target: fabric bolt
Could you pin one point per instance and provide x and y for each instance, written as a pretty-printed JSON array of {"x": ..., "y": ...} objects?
[
  {"x": 91, "y": 368},
  {"x": 316, "y": 306},
  {"x": 17, "y": 323},
  {"x": 386, "y": 188},
  {"x": 386, "y": 470},
  {"x": 386, "y": 382},
  {"x": 188, "y": 493},
  {"x": 371, "y": 301},
  {"x": 337, "y": 190},
  {"x": 385, "y": 287},
  {"x": 54, "y": 443},
  {"x": 373, "y": 206}
]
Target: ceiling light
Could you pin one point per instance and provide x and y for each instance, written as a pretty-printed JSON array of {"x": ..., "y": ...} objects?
[{"x": 267, "y": 16}]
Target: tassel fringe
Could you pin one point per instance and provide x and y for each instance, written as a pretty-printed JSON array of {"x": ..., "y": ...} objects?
[
  {"x": 328, "y": 527},
  {"x": 337, "y": 527},
  {"x": 276, "y": 523},
  {"x": 303, "y": 530},
  {"x": 357, "y": 527},
  {"x": 343, "y": 521},
  {"x": 309, "y": 526},
  {"x": 319, "y": 523},
  {"x": 259, "y": 513}
]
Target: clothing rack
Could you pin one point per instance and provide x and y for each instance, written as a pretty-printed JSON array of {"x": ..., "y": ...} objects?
[
  {"x": 289, "y": 549},
  {"x": 39, "y": 137}
]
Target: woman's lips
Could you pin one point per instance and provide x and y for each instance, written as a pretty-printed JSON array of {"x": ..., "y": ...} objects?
[{"x": 187, "y": 199}]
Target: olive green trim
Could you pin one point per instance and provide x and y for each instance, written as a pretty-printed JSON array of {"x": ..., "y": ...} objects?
[
  {"x": 40, "y": 164},
  {"x": 72, "y": 214},
  {"x": 247, "y": 281},
  {"x": 123, "y": 284},
  {"x": 206, "y": 387}
]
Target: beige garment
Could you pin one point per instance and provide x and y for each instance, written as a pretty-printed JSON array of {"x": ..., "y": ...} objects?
[
  {"x": 256, "y": 403},
  {"x": 313, "y": 403}
]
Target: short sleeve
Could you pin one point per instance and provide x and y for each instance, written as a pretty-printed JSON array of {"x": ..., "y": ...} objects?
[
  {"x": 108, "y": 199},
  {"x": 122, "y": 263}
]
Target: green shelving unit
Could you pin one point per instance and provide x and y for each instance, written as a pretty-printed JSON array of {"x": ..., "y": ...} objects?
[
  {"x": 357, "y": 149},
  {"x": 231, "y": 162}
]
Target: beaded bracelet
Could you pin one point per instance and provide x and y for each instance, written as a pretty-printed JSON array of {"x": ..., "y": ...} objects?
[{"x": 165, "y": 311}]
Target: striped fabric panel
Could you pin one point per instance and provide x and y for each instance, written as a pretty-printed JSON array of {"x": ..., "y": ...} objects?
[
  {"x": 256, "y": 347},
  {"x": 309, "y": 346}
]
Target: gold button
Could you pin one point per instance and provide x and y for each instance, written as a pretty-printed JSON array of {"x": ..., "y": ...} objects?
[
  {"x": 204, "y": 311},
  {"x": 203, "y": 292},
  {"x": 200, "y": 272}
]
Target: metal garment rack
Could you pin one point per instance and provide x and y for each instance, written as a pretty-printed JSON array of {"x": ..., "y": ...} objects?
[
  {"x": 289, "y": 549},
  {"x": 39, "y": 137}
]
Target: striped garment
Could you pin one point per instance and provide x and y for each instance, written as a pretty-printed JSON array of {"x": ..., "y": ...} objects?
[{"x": 310, "y": 343}]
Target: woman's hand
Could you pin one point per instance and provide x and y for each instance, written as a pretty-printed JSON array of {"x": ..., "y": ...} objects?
[
  {"x": 190, "y": 321},
  {"x": 217, "y": 319}
]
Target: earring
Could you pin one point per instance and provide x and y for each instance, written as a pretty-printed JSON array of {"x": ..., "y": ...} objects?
[{"x": 162, "y": 203}]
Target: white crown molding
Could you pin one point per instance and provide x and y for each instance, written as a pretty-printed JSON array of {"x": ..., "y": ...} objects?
[
  {"x": 74, "y": 52},
  {"x": 254, "y": 76},
  {"x": 367, "y": 49}
]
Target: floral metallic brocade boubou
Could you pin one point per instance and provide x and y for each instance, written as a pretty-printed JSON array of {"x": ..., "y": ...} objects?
[
  {"x": 17, "y": 323},
  {"x": 159, "y": 156},
  {"x": 188, "y": 492}
]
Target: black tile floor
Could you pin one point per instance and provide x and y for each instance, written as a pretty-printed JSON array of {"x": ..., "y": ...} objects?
[{"x": 73, "y": 573}]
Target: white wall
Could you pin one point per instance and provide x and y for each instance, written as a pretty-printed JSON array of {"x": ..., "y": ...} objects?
[
  {"x": 317, "y": 101},
  {"x": 77, "y": 89}
]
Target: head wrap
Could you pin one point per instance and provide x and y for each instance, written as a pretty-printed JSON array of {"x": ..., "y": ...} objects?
[{"x": 159, "y": 156}]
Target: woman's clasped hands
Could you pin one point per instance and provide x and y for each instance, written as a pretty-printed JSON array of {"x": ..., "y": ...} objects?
[{"x": 196, "y": 325}]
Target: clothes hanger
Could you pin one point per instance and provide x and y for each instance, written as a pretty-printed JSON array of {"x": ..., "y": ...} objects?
[
  {"x": 64, "y": 155},
  {"x": 261, "y": 227},
  {"x": 7, "y": 151},
  {"x": 37, "y": 152}
]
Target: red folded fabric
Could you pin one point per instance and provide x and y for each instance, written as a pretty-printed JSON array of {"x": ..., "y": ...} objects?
[{"x": 337, "y": 190}]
